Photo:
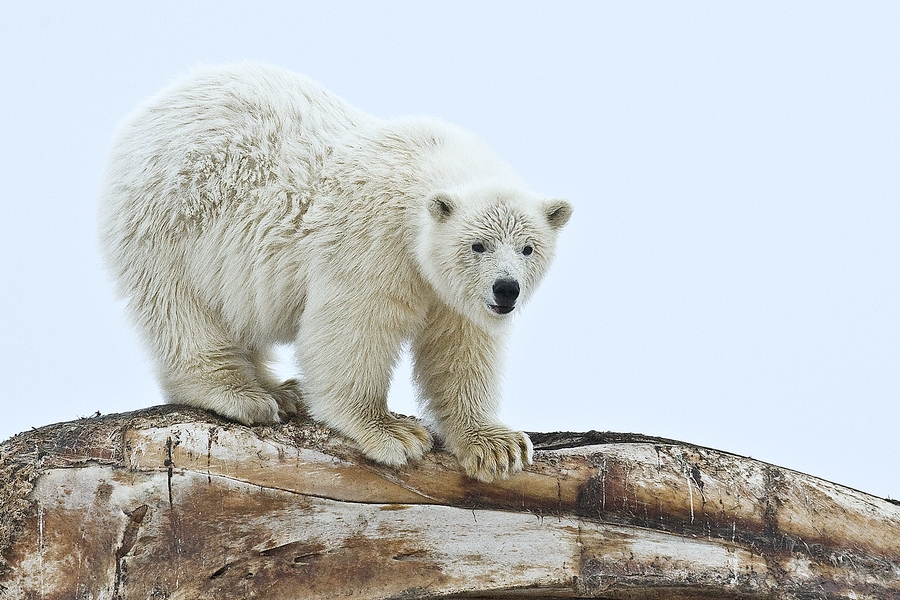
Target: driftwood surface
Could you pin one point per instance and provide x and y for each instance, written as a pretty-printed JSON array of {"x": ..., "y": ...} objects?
[{"x": 171, "y": 502}]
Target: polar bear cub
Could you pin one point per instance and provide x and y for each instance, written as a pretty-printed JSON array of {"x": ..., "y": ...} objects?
[{"x": 246, "y": 206}]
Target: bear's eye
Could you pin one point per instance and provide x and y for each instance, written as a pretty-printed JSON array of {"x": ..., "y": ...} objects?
[
  {"x": 478, "y": 247},
  {"x": 527, "y": 250}
]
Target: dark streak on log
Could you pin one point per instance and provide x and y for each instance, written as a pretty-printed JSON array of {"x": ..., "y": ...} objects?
[
  {"x": 129, "y": 537},
  {"x": 170, "y": 466},
  {"x": 135, "y": 518}
]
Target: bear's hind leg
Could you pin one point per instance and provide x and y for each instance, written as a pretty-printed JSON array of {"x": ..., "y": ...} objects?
[
  {"x": 221, "y": 380},
  {"x": 199, "y": 364}
]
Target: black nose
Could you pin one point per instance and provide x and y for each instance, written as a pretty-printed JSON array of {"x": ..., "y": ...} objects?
[{"x": 506, "y": 291}]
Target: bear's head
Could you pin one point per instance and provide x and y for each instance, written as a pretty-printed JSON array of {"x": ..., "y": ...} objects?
[{"x": 484, "y": 249}]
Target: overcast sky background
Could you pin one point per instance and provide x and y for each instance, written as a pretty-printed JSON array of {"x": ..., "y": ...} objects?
[{"x": 730, "y": 277}]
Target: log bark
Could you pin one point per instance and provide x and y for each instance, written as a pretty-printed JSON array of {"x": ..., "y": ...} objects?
[{"x": 172, "y": 502}]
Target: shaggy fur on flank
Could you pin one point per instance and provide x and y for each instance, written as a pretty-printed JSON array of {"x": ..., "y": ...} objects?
[{"x": 246, "y": 206}]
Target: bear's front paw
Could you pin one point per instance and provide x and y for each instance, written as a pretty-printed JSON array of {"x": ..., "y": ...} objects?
[
  {"x": 493, "y": 452},
  {"x": 395, "y": 441}
]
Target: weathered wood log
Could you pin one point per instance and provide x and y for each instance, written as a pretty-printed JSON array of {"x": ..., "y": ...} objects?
[{"x": 172, "y": 502}]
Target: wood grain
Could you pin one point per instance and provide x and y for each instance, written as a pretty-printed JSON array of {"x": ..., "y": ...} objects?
[{"x": 172, "y": 502}]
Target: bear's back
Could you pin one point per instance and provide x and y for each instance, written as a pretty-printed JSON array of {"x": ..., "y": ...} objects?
[{"x": 217, "y": 139}]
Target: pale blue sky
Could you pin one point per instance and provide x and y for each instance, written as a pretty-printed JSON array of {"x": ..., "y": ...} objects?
[{"x": 730, "y": 277}]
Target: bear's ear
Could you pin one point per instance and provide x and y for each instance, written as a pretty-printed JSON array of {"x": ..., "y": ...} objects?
[
  {"x": 440, "y": 205},
  {"x": 558, "y": 212}
]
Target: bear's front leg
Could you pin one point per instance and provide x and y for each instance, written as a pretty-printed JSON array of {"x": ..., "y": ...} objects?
[
  {"x": 347, "y": 358},
  {"x": 457, "y": 368}
]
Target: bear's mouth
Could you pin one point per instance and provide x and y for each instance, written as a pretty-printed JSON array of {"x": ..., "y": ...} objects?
[{"x": 501, "y": 310}]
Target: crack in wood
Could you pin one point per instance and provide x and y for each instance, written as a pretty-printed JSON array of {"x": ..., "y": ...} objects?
[
  {"x": 129, "y": 537},
  {"x": 220, "y": 571},
  {"x": 263, "y": 486},
  {"x": 169, "y": 464}
]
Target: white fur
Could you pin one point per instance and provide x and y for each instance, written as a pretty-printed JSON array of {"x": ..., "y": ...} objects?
[{"x": 246, "y": 206}]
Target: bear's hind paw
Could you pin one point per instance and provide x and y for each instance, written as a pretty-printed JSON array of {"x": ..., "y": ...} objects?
[
  {"x": 289, "y": 397},
  {"x": 246, "y": 408}
]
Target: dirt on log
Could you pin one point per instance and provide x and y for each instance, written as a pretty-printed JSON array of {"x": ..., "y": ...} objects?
[{"x": 172, "y": 502}]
